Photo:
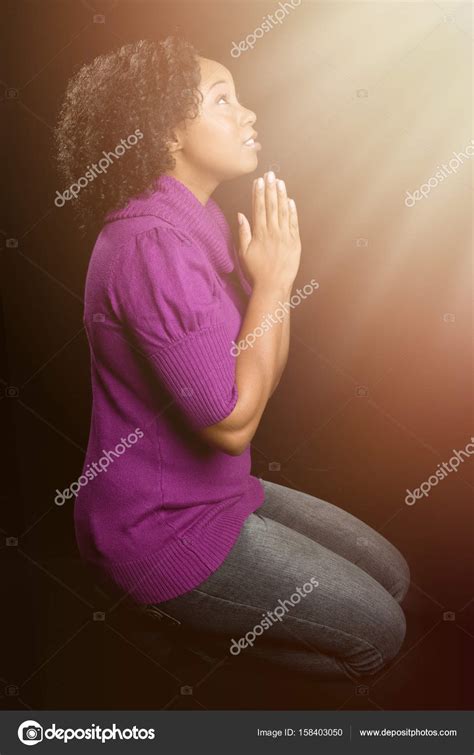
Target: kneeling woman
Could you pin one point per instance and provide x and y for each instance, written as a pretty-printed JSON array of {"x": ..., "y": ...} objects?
[{"x": 175, "y": 517}]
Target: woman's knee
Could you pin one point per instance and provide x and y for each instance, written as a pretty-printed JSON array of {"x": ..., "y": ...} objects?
[
  {"x": 402, "y": 583},
  {"x": 384, "y": 641},
  {"x": 394, "y": 622}
]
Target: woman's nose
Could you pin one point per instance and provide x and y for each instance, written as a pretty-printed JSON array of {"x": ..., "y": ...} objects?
[{"x": 250, "y": 117}]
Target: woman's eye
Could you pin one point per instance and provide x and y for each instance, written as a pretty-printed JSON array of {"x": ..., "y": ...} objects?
[{"x": 226, "y": 97}]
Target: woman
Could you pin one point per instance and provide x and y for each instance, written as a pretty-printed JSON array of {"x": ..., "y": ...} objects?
[{"x": 173, "y": 517}]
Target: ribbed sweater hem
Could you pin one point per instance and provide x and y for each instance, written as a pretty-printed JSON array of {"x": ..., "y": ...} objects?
[{"x": 160, "y": 576}]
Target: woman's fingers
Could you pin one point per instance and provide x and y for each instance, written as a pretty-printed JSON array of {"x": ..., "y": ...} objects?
[
  {"x": 271, "y": 200},
  {"x": 245, "y": 234},
  {"x": 283, "y": 209},
  {"x": 294, "y": 227},
  {"x": 271, "y": 207},
  {"x": 258, "y": 209}
]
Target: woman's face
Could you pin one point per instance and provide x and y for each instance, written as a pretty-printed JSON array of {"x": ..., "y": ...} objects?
[{"x": 212, "y": 145}]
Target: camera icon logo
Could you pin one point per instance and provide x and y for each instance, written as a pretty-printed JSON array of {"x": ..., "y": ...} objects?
[
  {"x": 275, "y": 167},
  {"x": 30, "y": 732},
  {"x": 449, "y": 616}
]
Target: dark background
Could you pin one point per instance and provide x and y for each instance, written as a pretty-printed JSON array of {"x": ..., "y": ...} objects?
[{"x": 376, "y": 393}]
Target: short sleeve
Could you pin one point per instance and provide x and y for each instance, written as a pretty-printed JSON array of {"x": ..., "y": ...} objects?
[{"x": 166, "y": 294}]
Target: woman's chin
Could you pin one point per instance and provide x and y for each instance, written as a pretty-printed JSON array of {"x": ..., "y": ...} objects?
[{"x": 250, "y": 163}]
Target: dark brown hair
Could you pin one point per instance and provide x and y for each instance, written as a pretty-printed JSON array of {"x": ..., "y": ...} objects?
[{"x": 148, "y": 88}]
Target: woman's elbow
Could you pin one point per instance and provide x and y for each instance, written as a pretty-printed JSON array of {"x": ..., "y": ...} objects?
[
  {"x": 232, "y": 442},
  {"x": 237, "y": 446}
]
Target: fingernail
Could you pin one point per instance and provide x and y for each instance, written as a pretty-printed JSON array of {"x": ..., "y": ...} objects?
[
  {"x": 292, "y": 203},
  {"x": 280, "y": 184},
  {"x": 239, "y": 218},
  {"x": 260, "y": 183},
  {"x": 270, "y": 177}
]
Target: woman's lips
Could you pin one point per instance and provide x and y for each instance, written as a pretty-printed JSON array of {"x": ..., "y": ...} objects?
[{"x": 251, "y": 144}]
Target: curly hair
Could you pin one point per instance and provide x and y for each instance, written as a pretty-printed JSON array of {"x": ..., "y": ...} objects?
[{"x": 145, "y": 88}]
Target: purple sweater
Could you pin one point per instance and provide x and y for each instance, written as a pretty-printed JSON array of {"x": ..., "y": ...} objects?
[{"x": 158, "y": 509}]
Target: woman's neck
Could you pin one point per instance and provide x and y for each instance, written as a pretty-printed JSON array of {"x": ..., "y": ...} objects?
[{"x": 202, "y": 188}]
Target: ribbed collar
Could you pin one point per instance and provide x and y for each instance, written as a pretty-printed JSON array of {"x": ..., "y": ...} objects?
[{"x": 206, "y": 224}]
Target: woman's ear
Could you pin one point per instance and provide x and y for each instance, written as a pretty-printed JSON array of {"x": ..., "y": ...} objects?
[{"x": 174, "y": 143}]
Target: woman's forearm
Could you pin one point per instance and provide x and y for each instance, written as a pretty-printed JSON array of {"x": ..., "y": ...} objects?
[
  {"x": 258, "y": 368},
  {"x": 284, "y": 345}
]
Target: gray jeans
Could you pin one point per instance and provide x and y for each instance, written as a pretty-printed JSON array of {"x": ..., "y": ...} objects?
[{"x": 261, "y": 602}]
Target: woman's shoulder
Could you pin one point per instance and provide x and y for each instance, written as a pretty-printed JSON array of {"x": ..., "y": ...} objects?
[
  {"x": 128, "y": 232},
  {"x": 159, "y": 261},
  {"x": 154, "y": 247}
]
